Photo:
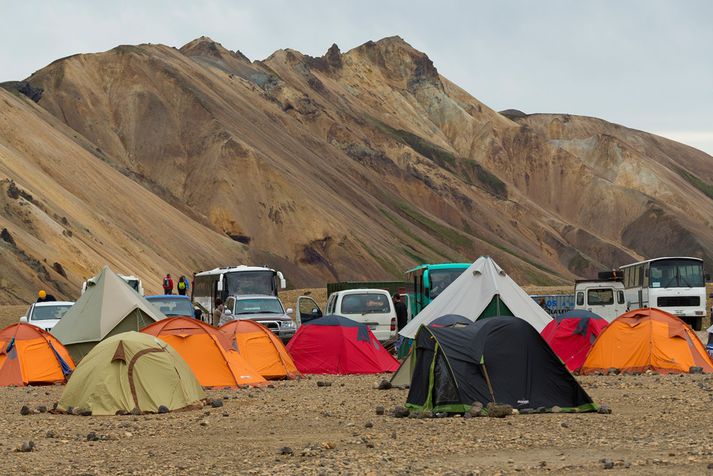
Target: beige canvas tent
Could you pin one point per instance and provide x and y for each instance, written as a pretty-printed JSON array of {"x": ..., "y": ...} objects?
[
  {"x": 131, "y": 371},
  {"x": 108, "y": 307}
]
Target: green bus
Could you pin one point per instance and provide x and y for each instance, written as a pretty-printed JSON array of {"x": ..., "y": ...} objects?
[{"x": 427, "y": 281}]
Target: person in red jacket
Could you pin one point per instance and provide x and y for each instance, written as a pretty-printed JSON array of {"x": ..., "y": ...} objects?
[{"x": 167, "y": 284}]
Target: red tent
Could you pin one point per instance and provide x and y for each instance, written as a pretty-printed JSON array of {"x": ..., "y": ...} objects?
[
  {"x": 337, "y": 345},
  {"x": 572, "y": 334}
]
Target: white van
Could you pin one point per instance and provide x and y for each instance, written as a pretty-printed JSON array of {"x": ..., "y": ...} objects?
[
  {"x": 602, "y": 297},
  {"x": 372, "y": 307}
]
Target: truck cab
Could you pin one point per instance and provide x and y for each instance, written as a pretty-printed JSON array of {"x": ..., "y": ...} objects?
[{"x": 601, "y": 296}]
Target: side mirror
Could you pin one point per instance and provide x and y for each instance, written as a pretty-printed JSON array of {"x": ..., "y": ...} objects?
[
  {"x": 220, "y": 283},
  {"x": 289, "y": 311},
  {"x": 23, "y": 319},
  {"x": 315, "y": 310}
]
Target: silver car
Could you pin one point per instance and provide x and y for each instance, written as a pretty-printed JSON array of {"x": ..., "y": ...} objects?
[{"x": 267, "y": 310}]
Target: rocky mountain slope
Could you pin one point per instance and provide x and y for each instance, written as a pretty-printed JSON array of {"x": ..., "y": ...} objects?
[{"x": 352, "y": 165}]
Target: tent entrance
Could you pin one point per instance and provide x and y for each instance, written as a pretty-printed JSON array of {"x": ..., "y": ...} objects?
[{"x": 496, "y": 307}]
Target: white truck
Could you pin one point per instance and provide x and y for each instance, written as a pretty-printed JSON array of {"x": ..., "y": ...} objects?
[{"x": 604, "y": 297}]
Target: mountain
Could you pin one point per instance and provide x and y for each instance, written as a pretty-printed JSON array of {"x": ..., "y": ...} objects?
[{"x": 352, "y": 165}]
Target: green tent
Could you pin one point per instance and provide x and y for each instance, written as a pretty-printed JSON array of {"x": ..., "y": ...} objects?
[
  {"x": 108, "y": 307},
  {"x": 131, "y": 370}
]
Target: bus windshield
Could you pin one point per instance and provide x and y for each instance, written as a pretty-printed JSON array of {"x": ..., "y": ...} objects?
[
  {"x": 441, "y": 278},
  {"x": 251, "y": 282},
  {"x": 676, "y": 273}
]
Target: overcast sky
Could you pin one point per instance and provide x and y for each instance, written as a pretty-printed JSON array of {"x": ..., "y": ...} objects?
[{"x": 645, "y": 64}]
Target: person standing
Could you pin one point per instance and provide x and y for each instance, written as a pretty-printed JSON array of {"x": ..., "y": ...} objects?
[
  {"x": 167, "y": 284},
  {"x": 42, "y": 296},
  {"x": 401, "y": 312},
  {"x": 217, "y": 312},
  {"x": 183, "y": 285}
]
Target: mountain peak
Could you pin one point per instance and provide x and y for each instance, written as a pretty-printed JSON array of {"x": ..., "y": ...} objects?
[{"x": 207, "y": 47}]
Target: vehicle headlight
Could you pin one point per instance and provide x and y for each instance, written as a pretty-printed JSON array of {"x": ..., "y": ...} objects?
[{"x": 288, "y": 325}]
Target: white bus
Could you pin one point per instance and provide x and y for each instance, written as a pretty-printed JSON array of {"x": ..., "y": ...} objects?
[
  {"x": 235, "y": 281},
  {"x": 676, "y": 285}
]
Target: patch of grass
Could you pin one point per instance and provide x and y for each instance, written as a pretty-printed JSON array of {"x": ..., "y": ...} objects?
[
  {"x": 414, "y": 256},
  {"x": 578, "y": 264},
  {"x": 486, "y": 179},
  {"x": 387, "y": 265},
  {"x": 697, "y": 182},
  {"x": 405, "y": 230},
  {"x": 449, "y": 235},
  {"x": 427, "y": 149},
  {"x": 469, "y": 170}
]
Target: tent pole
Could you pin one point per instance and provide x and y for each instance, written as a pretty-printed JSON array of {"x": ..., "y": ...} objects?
[{"x": 487, "y": 380}]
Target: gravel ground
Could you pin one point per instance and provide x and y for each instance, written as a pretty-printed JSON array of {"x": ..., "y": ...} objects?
[{"x": 658, "y": 425}]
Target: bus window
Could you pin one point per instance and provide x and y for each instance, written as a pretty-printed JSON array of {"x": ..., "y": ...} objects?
[
  {"x": 620, "y": 297},
  {"x": 442, "y": 278}
]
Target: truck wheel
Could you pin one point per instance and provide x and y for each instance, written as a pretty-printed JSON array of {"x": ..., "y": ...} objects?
[{"x": 697, "y": 323}]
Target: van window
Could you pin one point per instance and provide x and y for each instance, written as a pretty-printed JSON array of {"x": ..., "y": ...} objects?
[
  {"x": 600, "y": 297},
  {"x": 367, "y": 303},
  {"x": 620, "y": 297},
  {"x": 580, "y": 298}
]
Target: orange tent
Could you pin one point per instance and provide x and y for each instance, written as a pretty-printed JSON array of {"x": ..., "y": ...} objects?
[
  {"x": 647, "y": 339},
  {"x": 32, "y": 356},
  {"x": 205, "y": 350},
  {"x": 259, "y": 346}
]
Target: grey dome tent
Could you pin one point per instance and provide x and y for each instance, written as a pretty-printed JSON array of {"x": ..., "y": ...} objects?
[{"x": 501, "y": 359}]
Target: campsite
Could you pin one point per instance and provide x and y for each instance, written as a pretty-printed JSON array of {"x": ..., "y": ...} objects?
[{"x": 332, "y": 420}]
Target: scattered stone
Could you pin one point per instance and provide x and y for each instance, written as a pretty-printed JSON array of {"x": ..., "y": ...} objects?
[
  {"x": 321, "y": 383},
  {"x": 225, "y": 414},
  {"x": 441, "y": 415},
  {"x": 498, "y": 410},
  {"x": 92, "y": 436},
  {"x": 25, "y": 410},
  {"x": 163, "y": 409},
  {"x": 42, "y": 409},
  {"x": 710, "y": 466},
  {"x": 135, "y": 411},
  {"x": 476, "y": 409},
  {"x": 286, "y": 450},
  {"x": 401, "y": 412},
  {"x": 695, "y": 370},
  {"x": 203, "y": 423},
  {"x": 85, "y": 412},
  {"x": 393, "y": 435},
  {"x": 379, "y": 410},
  {"x": 368, "y": 425},
  {"x": 604, "y": 410},
  {"x": 564, "y": 424},
  {"x": 50, "y": 434},
  {"x": 128, "y": 434},
  {"x": 216, "y": 403},
  {"x": 556, "y": 409},
  {"x": 384, "y": 385},
  {"x": 329, "y": 445},
  {"x": 26, "y": 447},
  {"x": 613, "y": 371},
  {"x": 425, "y": 414},
  {"x": 607, "y": 463}
]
